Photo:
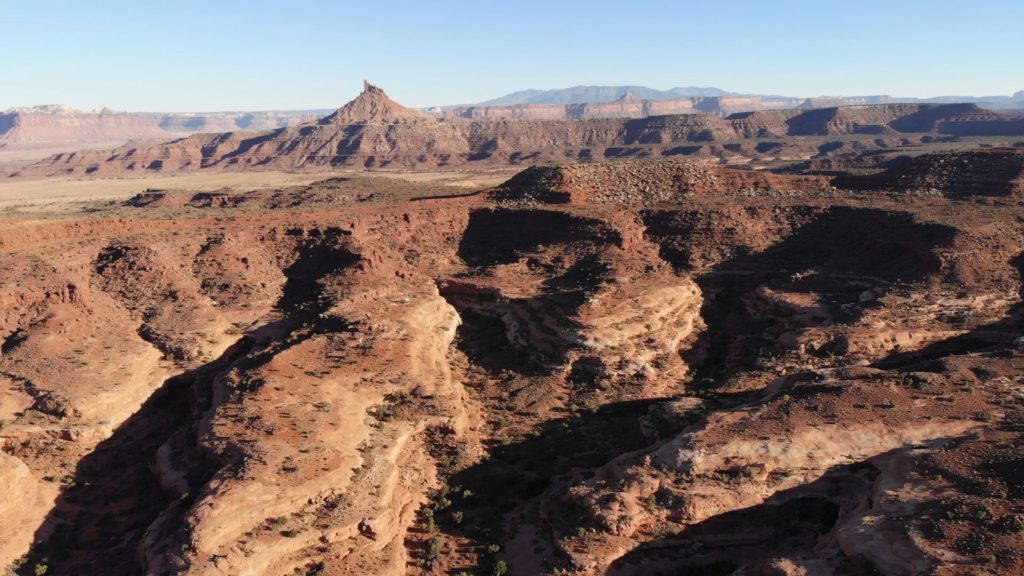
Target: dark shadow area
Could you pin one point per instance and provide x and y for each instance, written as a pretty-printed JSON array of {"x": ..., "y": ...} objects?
[
  {"x": 519, "y": 157},
  {"x": 519, "y": 471},
  {"x": 844, "y": 164},
  {"x": 836, "y": 255},
  {"x": 685, "y": 127},
  {"x": 447, "y": 196},
  {"x": 484, "y": 150},
  {"x": 789, "y": 524},
  {"x": 492, "y": 323},
  {"x": 620, "y": 152},
  {"x": 483, "y": 340},
  {"x": 992, "y": 172},
  {"x": 765, "y": 147},
  {"x": 927, "y": 118},
  {"x": 891, "y": 246},
  {"x": 812, "y": 122},
  {"x": 13, "y": 340},
  {"x": 989, "y": 338},
  {"x": 682, "y": 151},
  {"x": 321, "y": 253},
  {"x": 829, "y": 147},
  {"x": 1007, "y": 126},
  {"x": 533, "y": 184},
  {"x": 99, "y": 519},
  {"x": 583, "y": 276},
  {"x": 209, "y": 151},
  {"x": 500, "y": 236}
]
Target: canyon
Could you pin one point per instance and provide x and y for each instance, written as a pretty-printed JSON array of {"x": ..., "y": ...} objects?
[
  {"x": 644, "y": 366},
  {"x": 774, "y": 343}
]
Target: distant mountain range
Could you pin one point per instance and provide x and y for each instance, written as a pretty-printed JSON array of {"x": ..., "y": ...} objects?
[
  {"x": 592, "y": 94},
  {"x": 585, "y": 94}
]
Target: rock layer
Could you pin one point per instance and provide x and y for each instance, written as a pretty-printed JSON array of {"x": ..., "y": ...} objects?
[
  {"x": 373, "y": 131},
  {"x": 574, "y": 373},
  {"x": 51, "y": 127}
]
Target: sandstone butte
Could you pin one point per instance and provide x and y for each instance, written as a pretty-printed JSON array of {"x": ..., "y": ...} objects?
[
  {"x": 373, "y": 131},
  {"x": 659, "y": 365},
  {"x": 50, "y": 127}
]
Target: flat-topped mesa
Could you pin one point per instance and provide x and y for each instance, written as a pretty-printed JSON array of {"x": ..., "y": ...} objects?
[{"x": 373, "y": 106}]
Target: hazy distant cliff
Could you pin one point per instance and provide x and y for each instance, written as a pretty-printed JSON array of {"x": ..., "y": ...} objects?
[
  {"x": 41, "y": 126},
  {"x": 631, "y": 106}
]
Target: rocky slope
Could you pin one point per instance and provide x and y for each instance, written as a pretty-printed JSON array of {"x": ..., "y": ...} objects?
[
  {"x": 990, "y": 172},
  {"x": 373, "y": 131},
  {"x": 631, "y": 368}
]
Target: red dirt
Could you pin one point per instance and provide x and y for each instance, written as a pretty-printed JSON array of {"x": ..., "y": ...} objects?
[{"x": 631, "y": 368}]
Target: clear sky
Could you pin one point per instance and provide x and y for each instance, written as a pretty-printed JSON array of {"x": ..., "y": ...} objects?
[{"x": 190, "y": 55}]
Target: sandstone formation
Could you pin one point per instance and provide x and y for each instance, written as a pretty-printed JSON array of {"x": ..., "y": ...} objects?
[
  {"x": 373, "y": 131},
  {"x": 54, "y": 126},
  {"x": 61, "y": 127},
  {"x": 588, "y": 94},
  {"x": 644, "y": 182},
  {"x": 629, "y": 105},
  {"x": 638, "y": 367}
]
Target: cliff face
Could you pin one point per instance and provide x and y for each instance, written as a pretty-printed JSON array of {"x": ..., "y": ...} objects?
[
  {"x": 374, "y": 131},
  {"x": 60, "y": 126},
  {"x": 21, "y": 128},
  {"x": 630, "y": 106},
  {"x": 856, "y": 119},
  {"x": 208, "y": 123},
  {"x": 627, "y": 106}
]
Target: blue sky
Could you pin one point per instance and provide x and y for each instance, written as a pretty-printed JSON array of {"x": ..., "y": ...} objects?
[{"x": 188, "y": 55}]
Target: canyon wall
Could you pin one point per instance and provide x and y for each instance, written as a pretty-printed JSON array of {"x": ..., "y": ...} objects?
[
  {"x": 630, "y": 106},
  {"x": 47, "y": 126}
]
